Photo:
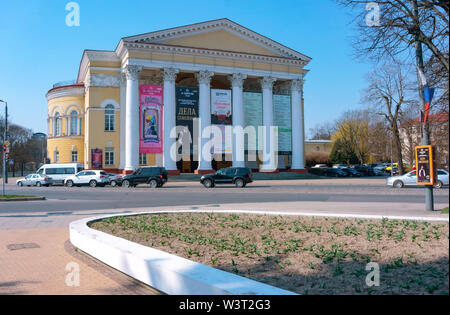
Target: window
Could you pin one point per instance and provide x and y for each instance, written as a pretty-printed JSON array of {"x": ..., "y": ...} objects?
[
  {"x": 110, "y": 117},
  {"x": 56, "y": 156},
  {"x": 142, "y": 159},
  {"x": 74, "y": 156},
  {"x": 109, "y": 156},
  {"x": 74, "y": 123},
  {"x": 57, "y": 125},
  {"x": 318, "y": 148}
]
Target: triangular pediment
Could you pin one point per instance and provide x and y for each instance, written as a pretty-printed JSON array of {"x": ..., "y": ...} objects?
[{"x": 220, "y": 34}]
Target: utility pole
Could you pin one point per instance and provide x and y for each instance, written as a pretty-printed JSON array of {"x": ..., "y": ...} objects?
[
  {"x": 5, "y": 135},
  {"x": 429, "y": 199}
]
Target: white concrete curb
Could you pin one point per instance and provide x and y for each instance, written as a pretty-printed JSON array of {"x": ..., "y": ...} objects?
[{"x": 165, "y": 272}]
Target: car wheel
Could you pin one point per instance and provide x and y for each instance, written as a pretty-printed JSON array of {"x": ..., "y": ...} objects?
[
  {"x": 239, "y": 183},
  {"x": 69, "y": 183},
  {"x": 93, "y": 183},
  {"x": 438, "y": 184},
  {"x": 126, "y": 184},
  {"x": 20, "y": 184},
  {"x": 38, "y": 184},
  {"x": 398, "y": 184},
  {"x": 153, "y": 183},
  {"x": 207, "y": 183},
  {"x": 113, "y": 183}
]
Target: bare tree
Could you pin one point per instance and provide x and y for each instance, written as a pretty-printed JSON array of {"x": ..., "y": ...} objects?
[
  {"x": 395, "y": 27},
  {"x": 388, "y": 96}
]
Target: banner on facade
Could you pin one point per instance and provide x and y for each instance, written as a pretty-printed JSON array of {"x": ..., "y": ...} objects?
[
  {"x": 187, "y": 111},
  {"x": 252, "y": 103},
  {"x": 151, "y": 119},
  {"x": 221, "y": 107},
  {"x": 97, "y": 158},
  {"x": 221, "y": 116},
  {"x": 283, "y": 120}
]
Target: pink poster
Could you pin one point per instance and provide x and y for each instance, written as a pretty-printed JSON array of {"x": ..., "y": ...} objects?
[{"x": 151, "y": 119}]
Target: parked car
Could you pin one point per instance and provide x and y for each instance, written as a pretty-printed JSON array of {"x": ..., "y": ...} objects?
[
  {"x": 115, "y": 179},
  {"x": 35, "y": 180},
  {"x": 351, "y": 172},
  {"x": 335, "y": 172},
  {"x": 59, "y": 172},
  {"x": 380, "y": 169},
  {"x": 410, "y": 179},
  {"x": 239, "y": 176},
  {"x": 153, "y": 176},
  {"x": 91, "y": 178},
  {"x": 341, "y": 166},
  {"x": 320, "y": 166},
  {"x": 364, "y": 170}
]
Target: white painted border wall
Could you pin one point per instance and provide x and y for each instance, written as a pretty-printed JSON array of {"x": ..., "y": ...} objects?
[{"x": 165, "y": 272}]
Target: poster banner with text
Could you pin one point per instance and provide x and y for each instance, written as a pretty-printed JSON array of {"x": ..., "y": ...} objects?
[
  {"x": 282, "y": 119},
  {"x": 252, "y": 103},
  {"x": 221, "y": 107},
  {"x": 97, "y": 159},
  {"x": 187, "y": 111},
  {"x": 151, "y": 119},
  {"x": 221, "y": 116}
]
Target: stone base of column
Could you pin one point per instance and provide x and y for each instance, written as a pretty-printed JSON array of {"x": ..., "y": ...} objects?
[
  {"x": 298, "y": 171},
  {"x": 203, "y": 172},
  {"x": 174, "y": 172}
]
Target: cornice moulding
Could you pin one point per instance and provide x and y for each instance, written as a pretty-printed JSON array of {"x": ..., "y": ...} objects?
[{"x": 63, "y": 92}]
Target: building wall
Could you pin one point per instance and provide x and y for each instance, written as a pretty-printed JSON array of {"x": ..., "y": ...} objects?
[
  {"x": 65, "y": 143},
  {"x": 97, "y": 137}
]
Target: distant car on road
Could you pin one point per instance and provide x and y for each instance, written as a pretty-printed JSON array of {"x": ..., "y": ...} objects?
[
  {"x": 91, "y": 178},
  {"x": 320, "y": 166},
  {"x": 239, "y": 176},
  {"x": 341, "y": 166},
  {"x": 153, "y": 176},
  {"x": 115, "y": 179},
  {"x": 35, "y": 180},
  {"x": 351, "y": 172},
  {"x": 335, "y": 172},
  {"x": 380, "y": 169},
  {"x": 410, "y": 179},
  {"x": 59, "y": 172}
]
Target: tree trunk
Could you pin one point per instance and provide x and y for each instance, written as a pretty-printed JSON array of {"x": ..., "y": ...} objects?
[{"x": 398, "y": 148}]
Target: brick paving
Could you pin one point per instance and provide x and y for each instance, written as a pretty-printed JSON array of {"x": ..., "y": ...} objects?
[{"x": 42, "y": 270}]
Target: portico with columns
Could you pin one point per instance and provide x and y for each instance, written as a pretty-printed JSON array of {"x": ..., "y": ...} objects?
[{"x": 218, "y": 54}]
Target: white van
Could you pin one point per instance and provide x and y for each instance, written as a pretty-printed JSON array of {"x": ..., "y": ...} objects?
[{"x": 59, "y": 172}]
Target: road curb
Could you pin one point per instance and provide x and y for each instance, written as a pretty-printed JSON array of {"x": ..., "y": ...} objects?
[{"x": 165, "y": 272}]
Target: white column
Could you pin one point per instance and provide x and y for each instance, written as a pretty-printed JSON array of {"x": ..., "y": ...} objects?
[
  {"x": 297, "y": 125},
  {"x": 269, "y": 160},
  {"x": 237, "y": 83},
  {"x": 132, "y": 118},
  {"x": 123, "y": 124},
  {"x": 204, "y": 82},
  {"x": 169, "y": 116}
]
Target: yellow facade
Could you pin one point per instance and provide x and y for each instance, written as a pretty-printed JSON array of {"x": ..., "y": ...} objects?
[{"x": 99, "y": 81}]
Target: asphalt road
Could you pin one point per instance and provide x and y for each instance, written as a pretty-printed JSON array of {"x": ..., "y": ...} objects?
[{"x": 61, "y": 199}]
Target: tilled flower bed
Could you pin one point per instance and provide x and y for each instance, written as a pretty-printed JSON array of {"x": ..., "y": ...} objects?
[{"x": 302, "y": 254}]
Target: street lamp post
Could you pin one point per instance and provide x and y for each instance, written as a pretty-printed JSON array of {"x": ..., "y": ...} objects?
[{"x": 5, "y": 135}]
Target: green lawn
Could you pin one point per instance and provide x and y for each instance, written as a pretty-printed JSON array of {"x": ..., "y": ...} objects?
[
  {"x": 445, "y": 210},
  {"x": 14, "y": 196}
]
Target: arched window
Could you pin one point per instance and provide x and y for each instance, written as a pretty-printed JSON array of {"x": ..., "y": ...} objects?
[
  {"x": 57, "y": 126},
  {"x": 74, "y": 123},
  {"x": 110, "y": 117}
]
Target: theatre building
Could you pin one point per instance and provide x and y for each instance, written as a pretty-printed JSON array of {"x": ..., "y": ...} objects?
[{"x": 149, "y": 101}]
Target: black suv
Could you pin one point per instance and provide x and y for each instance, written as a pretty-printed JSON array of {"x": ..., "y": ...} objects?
[
  {"x": 239, "y": 176},
  {"x": 154, "y": 176}
]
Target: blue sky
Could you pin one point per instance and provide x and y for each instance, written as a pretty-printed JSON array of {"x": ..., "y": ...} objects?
[{"x": 37, "y": 48}]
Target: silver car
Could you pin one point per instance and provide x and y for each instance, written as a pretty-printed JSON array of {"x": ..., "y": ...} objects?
[
  {"x": 409, "y": 179},
  {"x": 35, "y": 180}
]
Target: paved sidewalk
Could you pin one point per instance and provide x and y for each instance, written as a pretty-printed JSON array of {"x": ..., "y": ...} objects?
[{"x": 42, "y": 270}]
